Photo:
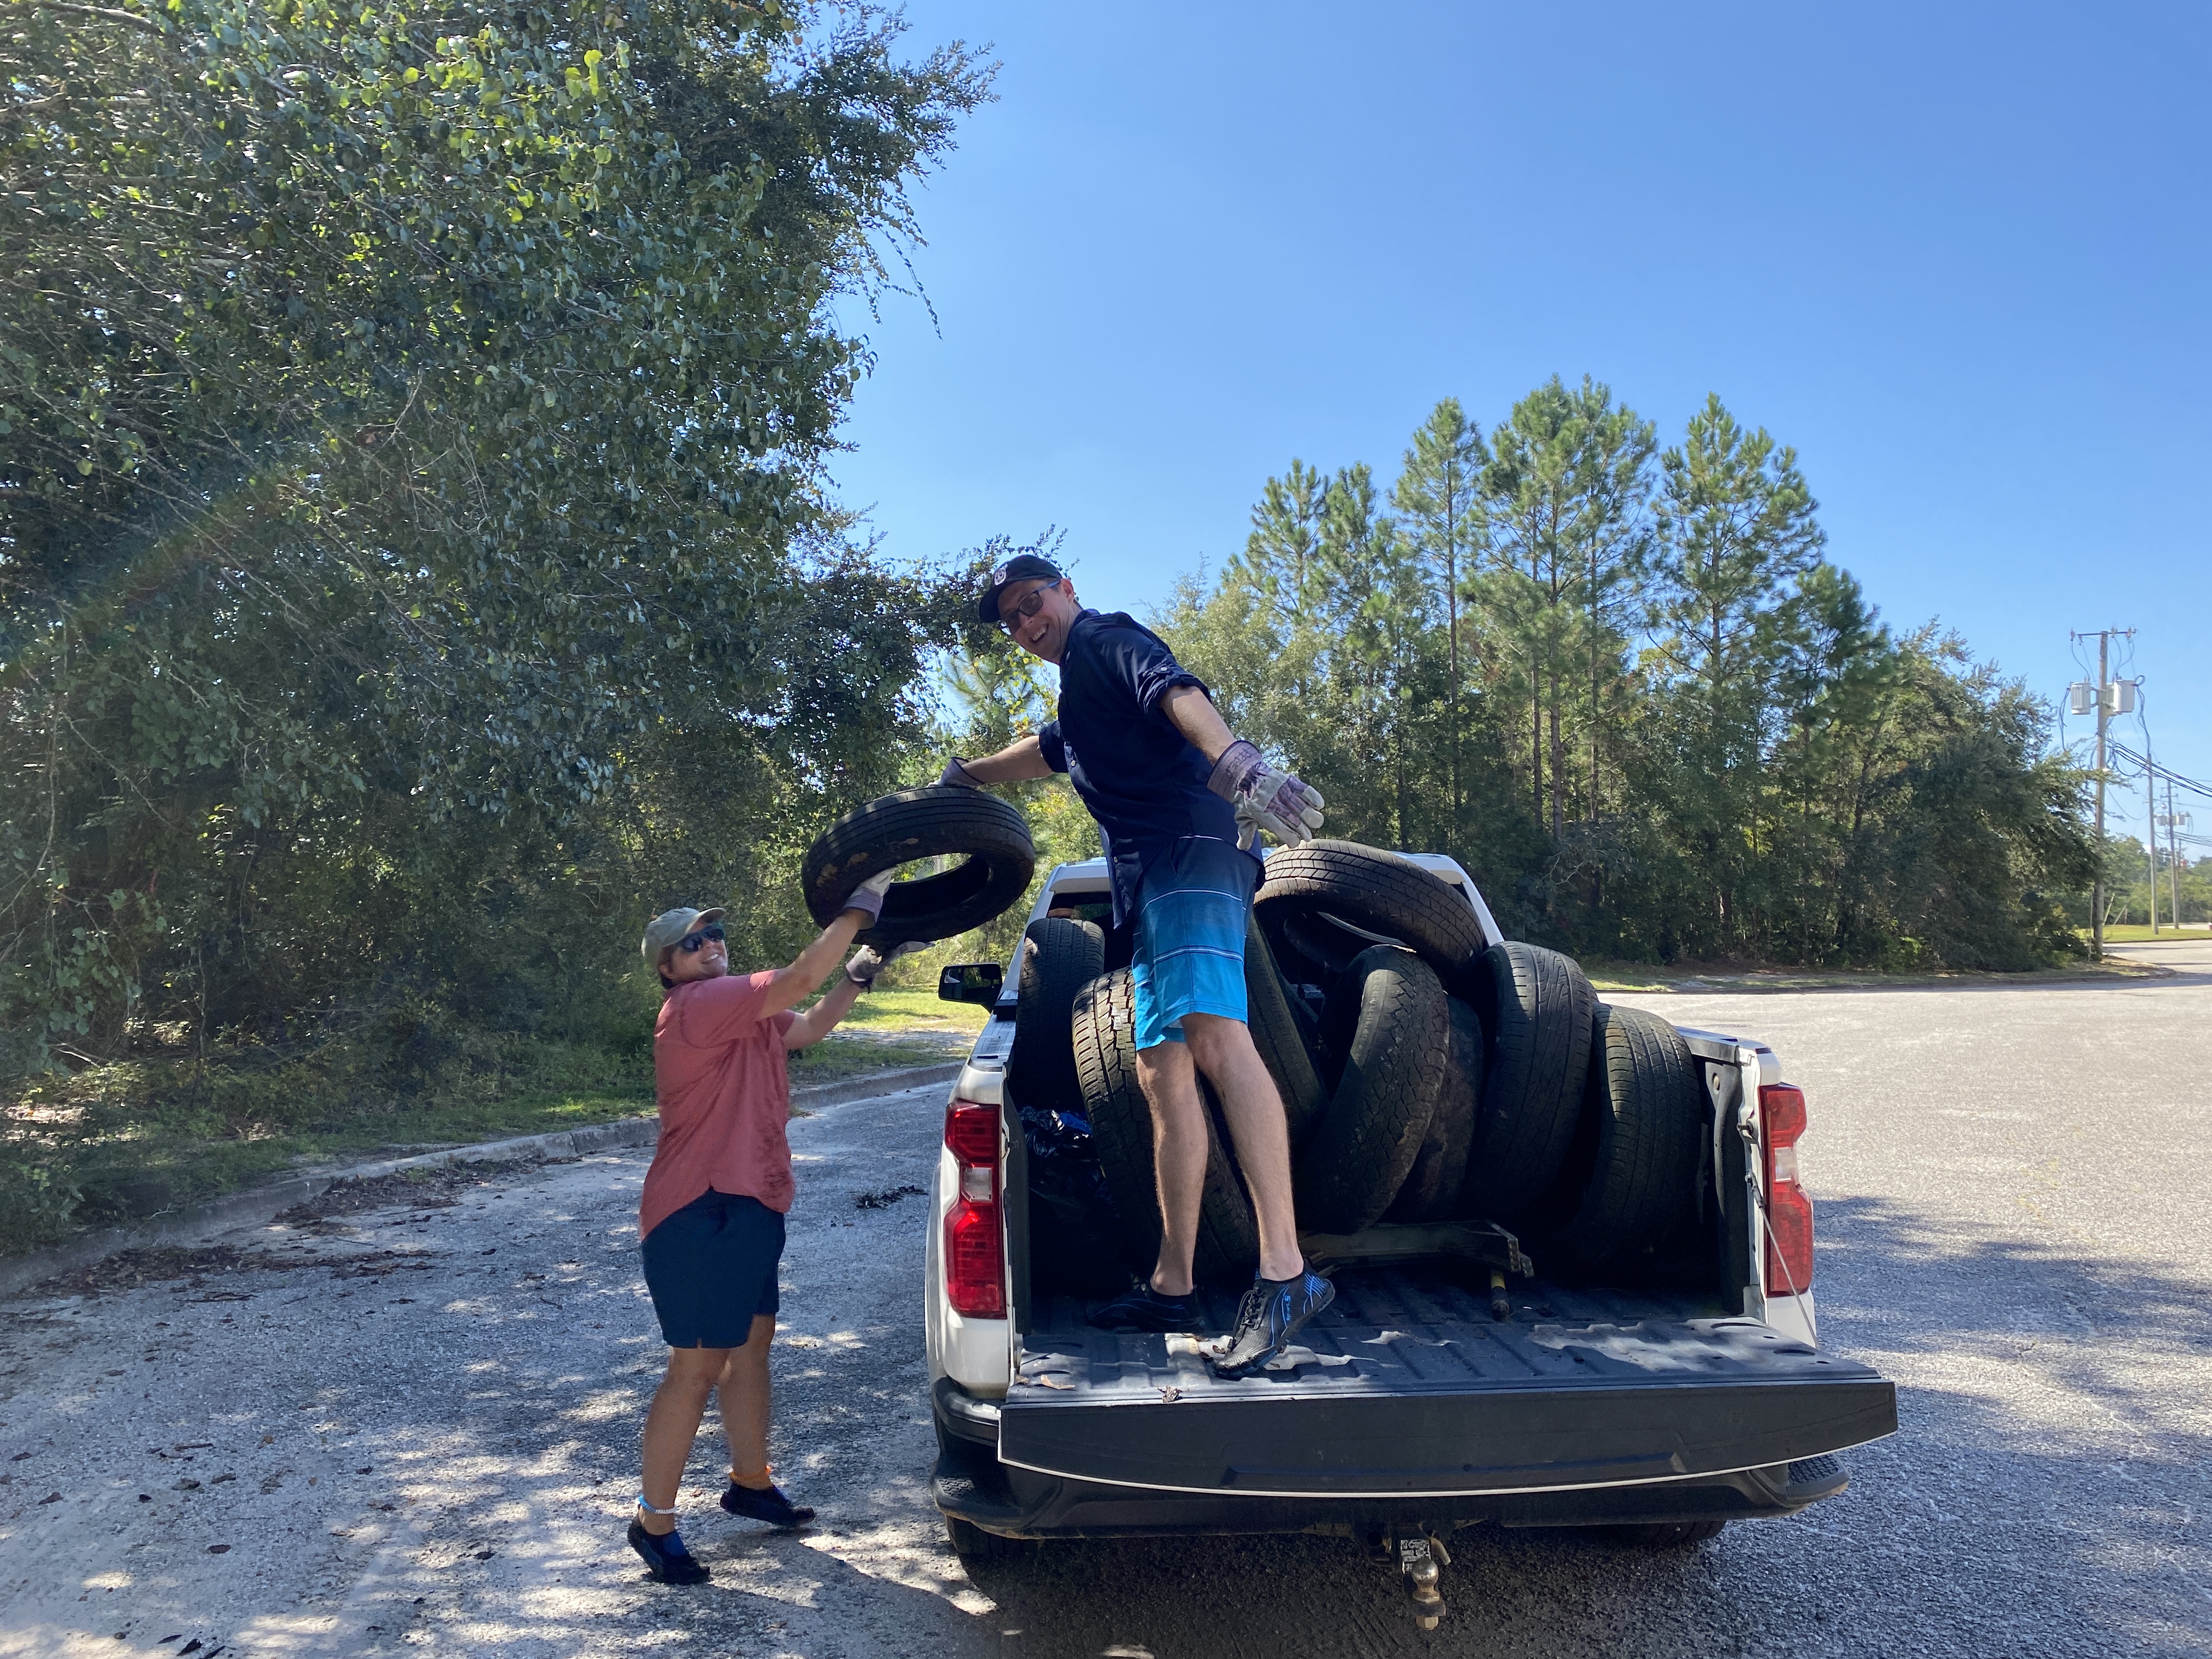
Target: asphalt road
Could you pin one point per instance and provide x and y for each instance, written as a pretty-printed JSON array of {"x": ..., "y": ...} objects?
[{"x": 429, "y": 1436}]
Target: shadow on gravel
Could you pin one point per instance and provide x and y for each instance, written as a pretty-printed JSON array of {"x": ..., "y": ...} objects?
[{"x": 2042, "y": 1497}]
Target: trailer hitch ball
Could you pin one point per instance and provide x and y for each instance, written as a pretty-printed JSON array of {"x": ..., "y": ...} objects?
[{"x": 1418, "y": 1558}]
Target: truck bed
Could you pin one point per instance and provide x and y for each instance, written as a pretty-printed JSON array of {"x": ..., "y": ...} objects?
[{"x": 1407, "y": 1386}]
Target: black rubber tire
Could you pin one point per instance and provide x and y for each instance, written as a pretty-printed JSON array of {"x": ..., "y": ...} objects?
[
  {"x": 1536, "y": 1006},
  {"x": 1431, "y": 1188},
  {"x": 1359, "y": 1157},
  {"x": 1105, "y": 1033},
  {"x": 1310, "y": 945},
  {"x": 1380, "y": 892},
  {"x": 923, "y": 824},
  {"x": 1634, "y": 1187},
  {"x": 1059, "y": 956},
  {"x": 971, "y": 1543},
  {"x": 1281, "y": 1042}
]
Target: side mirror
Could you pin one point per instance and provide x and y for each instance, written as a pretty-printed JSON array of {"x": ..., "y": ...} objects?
[{"x": 970, "y": 982}]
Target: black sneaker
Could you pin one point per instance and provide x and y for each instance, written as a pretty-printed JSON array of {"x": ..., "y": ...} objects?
[
  {"x": 666, "y": 1557},
  {"x": 1272, "y": 1311},
  {"x": 770, "y": 1505},
  {"x": 1141, "y": 1308}
]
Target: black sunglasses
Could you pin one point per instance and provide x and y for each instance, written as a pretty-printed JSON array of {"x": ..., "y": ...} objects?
[
  {"x": 689, "y": 943},
  {"x": 1027, "y": 607}
]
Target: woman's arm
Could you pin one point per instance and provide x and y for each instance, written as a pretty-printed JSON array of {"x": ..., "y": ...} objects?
[
  {"x": 812, "y": 965},
  {"x": 817, "y": 1021}
]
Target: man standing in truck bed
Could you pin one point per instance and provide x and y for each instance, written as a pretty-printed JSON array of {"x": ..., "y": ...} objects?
[{"x": 1171, "y": 788}]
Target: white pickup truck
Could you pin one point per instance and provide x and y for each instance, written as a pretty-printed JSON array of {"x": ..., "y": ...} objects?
[{"x": 1664, "y": 1410}]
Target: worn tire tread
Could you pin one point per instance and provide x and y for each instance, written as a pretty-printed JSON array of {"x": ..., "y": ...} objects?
[
  {"x": 1359, "y": 1157},
  {"x": 1059, "y": 956},
  {"x": 1105, "y": 1043},
  {"x": 1537, "y": 1008},
  {"x": 918, "y": 824},
  {"x": 1380, "y": 892}
]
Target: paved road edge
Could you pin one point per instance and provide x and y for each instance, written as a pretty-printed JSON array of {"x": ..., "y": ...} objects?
[{"x": 260, "y": 1203}]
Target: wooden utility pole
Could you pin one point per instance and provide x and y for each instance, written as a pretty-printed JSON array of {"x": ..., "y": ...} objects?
[
  {"x": 2150, "y": 841},
  {"x": 2108, "y": 701}
]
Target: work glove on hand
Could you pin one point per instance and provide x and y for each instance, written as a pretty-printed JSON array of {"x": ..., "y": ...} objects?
[
  {"x": 1278, "y": 802},
  {"x": 868, "y": 962},
  {"x": 956, "y": 776},
  {"x": 868, "y": 897}
]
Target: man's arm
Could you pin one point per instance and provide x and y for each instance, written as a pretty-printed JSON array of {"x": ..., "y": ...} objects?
[
  {"x": 1022, "y": 758},
  {"x": 1192, "y": 712},
  {"x": 1278, "y": 802}
]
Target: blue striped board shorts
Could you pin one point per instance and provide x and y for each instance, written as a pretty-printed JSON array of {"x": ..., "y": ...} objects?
[{"x": 1189, "y": 954}]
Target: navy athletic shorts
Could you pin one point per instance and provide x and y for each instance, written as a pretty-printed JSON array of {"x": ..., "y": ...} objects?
[{"x": 711, "y": 1267}]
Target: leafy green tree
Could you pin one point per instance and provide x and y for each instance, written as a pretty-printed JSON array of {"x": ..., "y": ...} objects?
[{"x": 414, "y": 565}]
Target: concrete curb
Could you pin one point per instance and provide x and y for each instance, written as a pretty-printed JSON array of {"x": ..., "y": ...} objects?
[{"x": 200, "y": 1221}]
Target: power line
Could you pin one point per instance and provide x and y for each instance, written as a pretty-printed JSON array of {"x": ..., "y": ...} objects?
[{"x": 2178, "y": 779}]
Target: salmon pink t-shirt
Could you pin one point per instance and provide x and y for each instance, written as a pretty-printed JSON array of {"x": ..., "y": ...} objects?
[{"x": 719, "y": 1073}]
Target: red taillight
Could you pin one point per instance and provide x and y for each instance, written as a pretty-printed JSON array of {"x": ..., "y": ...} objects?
[
  {"x": 975, "y": 1244},
  {"x": 1788, "y": 1210}
]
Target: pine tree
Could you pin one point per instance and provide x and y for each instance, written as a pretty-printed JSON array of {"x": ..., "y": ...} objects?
[
  {"x": 1736, "y": 532},
  {"x": 1439, "y": 504},
  {"x": 1562, "y": 496}
]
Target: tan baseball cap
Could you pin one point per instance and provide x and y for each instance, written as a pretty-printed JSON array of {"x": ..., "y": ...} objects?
[{"x": 670, "y": 926}]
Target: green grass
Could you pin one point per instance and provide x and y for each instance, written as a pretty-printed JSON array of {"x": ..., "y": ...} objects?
[
  {"x": 118, "y": 1144},
  {"x": 1692, "y": 978},
  {"x": 2137, "y": 933}
]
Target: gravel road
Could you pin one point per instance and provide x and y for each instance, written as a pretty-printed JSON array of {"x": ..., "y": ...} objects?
[{"x": 419, "y": 1432}]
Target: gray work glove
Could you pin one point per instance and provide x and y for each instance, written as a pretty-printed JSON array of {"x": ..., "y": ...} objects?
[
  {"x": 956, "y": 776},
  {"x": 868, "y": 962},
  {"x": 1286, "y": 807},
  {"x": 868, "y": 897}
]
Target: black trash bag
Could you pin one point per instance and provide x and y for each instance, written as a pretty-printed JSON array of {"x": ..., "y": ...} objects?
[{"x": 1077, "y": 1242}]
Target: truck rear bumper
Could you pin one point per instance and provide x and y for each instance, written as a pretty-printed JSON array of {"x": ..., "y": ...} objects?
[{"x": 972, "y": 1484}]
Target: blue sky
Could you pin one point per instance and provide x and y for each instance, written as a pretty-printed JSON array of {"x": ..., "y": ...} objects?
[{"x": 1956, "y": 256}]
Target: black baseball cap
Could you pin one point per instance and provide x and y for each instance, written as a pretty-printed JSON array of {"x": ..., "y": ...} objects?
[{"x": 1022, "y": 568}]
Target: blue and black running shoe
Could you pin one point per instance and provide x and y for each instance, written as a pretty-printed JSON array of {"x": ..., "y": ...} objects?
[
  {"x": 1271, "y": 1313},
  {"x": 666, "y": 1557},
  {"x": 1141, "y": 1308}
]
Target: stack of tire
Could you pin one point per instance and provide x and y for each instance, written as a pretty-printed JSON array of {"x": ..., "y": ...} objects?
[{"x": 1426, "y": 1076}]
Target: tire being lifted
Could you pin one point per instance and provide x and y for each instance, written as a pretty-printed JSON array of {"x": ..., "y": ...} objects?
[
  {"x": 1059, "y": 957},
  {"x": 1105, "y": 1040},
  {"x": 923, "y": 824},
  {"x": 1536, "y": 1006},
  {"x": 1377, "y": 890},
  {"x": 1393, "y": 1066}
]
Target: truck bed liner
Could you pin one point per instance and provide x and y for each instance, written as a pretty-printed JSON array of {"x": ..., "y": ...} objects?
[{"x": 1407, "y": 1385}]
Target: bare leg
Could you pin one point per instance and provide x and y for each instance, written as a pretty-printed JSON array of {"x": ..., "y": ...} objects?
[
  {"x": 1179, "y": 1146},
  {"x": 673, "y": 1424},
  {"x": 1222, "y": 1049},
  {"x": 743, "y": 1392}
]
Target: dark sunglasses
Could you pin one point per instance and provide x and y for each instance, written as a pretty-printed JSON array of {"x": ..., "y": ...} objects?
[
  {"x": 1027, "y": 607},
  {"x": 689, "y": 943}
]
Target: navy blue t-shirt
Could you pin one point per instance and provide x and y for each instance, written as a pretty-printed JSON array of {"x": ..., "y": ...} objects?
[{"x": 1142, "y": 780}]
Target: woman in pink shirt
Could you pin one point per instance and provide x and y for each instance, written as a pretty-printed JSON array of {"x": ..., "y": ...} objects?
[{"x": 710, "y": 1220}]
